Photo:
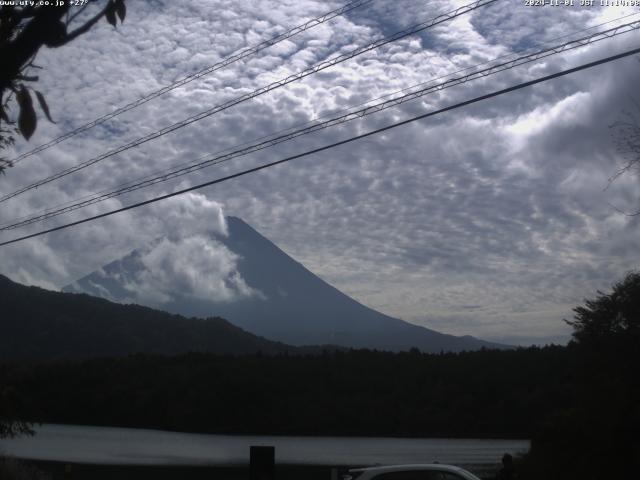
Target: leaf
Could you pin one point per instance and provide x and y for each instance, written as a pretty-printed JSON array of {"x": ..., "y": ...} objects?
[
  {"x": 121, "y": 9},
  {"x": 110, "y": 13},
  {"x": 27, "y": 119},
  {"x": 43, "y": 105}
]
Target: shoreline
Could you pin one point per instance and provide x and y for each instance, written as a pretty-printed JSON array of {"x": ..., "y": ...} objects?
[{"x": 39, "y": 424}]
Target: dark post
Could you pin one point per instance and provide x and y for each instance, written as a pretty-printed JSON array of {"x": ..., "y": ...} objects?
[{"x": 262, "y": 463}]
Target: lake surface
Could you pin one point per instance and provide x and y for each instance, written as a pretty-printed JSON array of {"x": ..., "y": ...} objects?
[{"x": 102, "y": 445}]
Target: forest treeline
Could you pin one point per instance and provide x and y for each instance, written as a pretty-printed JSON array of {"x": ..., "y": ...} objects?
[
  {"x": 495, "y": 394},
  {"x": 41, "y": 325}
]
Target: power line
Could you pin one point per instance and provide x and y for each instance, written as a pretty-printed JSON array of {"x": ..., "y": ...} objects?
[
  {"x": 307, "y": 127},
  {"x": 316, "y": 126},
  {"x": 201, "y": 73},
  {"x": 71, "y": 203},
  {"x": 304, "y": 73},
  {"x": 333, "y": 145}
]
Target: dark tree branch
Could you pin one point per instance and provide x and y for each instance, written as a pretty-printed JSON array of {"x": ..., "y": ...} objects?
[
  {"x": 23, "y": 31},
  {"x": 626, "y": 136},
  {"x": 29, "y": 63},
  {"x": 28, "y": 78},
  {"x": 42, "y": 29}
]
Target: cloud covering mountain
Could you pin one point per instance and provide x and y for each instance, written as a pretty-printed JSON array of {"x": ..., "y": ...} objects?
[{"x": 239, "y": 275}]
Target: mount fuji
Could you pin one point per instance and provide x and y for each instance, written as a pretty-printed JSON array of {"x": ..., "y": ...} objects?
[{"x": 243, "y": 277}]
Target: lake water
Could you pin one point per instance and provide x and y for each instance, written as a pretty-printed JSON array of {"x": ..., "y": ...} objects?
[{"x": 101, "y": 445}]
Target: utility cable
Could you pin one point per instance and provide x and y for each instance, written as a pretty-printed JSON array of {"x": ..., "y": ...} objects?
[
  {"x": 203, "y": 163},
  {"x": 328, "y": 114},
  {"x": 247, "y": 52},
  {"x": 292, "y": 78},
  {"x": 333, "y": 145},
  {"x": 149, "y": 176}
]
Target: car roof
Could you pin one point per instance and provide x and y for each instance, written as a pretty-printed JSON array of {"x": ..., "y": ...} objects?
[{"x": 414, "y": 466}]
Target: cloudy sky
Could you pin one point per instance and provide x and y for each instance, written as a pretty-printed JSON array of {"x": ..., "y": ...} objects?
[{"x": 492, "y": 220}]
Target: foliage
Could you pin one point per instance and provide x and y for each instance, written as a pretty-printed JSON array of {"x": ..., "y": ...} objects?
[
  {"x": 24, "y": 29},
  {"x": 12, "y": 469},
  {"x": 610, "y": 317},
  {"x": 6, "y": 140},
  {"x": 598, "y": 435}
]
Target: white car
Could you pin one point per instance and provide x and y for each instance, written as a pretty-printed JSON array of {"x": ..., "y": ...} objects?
[{"x": 432, "y": 471}]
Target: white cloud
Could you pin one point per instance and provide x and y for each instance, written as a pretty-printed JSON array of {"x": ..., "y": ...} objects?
[
  {"x": 197, "y": 267},
  {"x": 182, "y": 213}
]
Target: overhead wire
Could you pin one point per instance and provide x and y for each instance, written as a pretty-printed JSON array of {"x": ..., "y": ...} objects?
[
  {"x": 225, "y": 62},
  {"x": 151, "y": 175},
  {"x": 390, "y": 94},
  {"x": 325, "y": 115},
  {"x": 272, "y": 86},
  {"x": 333, "y": 145},
  {"x": 316, "y": 126}
]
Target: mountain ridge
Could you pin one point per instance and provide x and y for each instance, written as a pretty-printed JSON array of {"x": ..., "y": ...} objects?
[{"x": 39, "y": 324}]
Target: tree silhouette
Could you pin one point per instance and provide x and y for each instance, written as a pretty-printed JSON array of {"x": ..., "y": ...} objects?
[
  {"x": 598, "y": 436},
  {"x": 23, "y": 31},
  {"x": 614, "y": 316}
]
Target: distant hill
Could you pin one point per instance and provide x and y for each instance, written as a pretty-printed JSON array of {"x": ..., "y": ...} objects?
[
  {"x": 290, "y": 303},
  {"x": 38, "y": 324}
]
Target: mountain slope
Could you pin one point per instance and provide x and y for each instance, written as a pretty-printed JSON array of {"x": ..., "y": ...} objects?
[
  {"x": 38, "y": 324},
  {"x": 292, "y": 304}
]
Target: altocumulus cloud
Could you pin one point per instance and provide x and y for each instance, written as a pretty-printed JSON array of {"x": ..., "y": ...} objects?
[{"x": 500, "y": 206}]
